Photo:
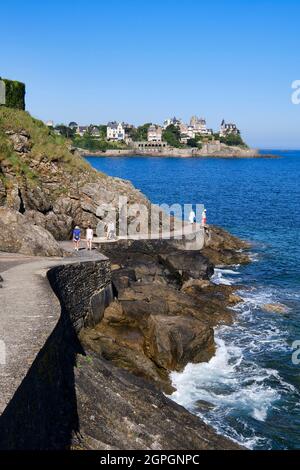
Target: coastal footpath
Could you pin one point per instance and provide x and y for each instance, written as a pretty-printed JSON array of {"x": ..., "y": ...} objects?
[{"x": 97, "y": 357}]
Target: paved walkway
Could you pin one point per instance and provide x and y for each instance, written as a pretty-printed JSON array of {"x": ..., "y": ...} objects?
[
  {"x": 194, "y": 235},
  {"x": 29, "y": 311}
]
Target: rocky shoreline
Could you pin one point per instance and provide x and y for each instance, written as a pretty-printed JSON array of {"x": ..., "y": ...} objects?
[
  {"x": 225, "y": 152},
  {"x": 165, "y": 305}
]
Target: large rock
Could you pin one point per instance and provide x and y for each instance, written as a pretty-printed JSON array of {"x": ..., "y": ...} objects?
[
  {"x": 173, "y": 341},
  {"x": 60, "y": 225},
  {"x": 20, "y": 141},
  {"x": 18, "y": 236},
  {"x": 36, "y": 199},
  {"x": 159, "y": 260},
  {"x": 153, "y": 328},
  {"x": 13, "y": 199},
  {"x": 188, "y": 265},
  {"x": 225, "y": 249},
  {"x": 165, "y": 310}
]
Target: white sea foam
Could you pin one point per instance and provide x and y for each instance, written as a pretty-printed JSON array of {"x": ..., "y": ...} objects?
[
  {"x": 254, "y": 257},
  {"x": 221, "y": 382},
  {"x": 220, "y": 276},
  {"x": 240, "y": 390},
  {"x": 230, "y": 386},
  {"x": 226, "y": 271}
]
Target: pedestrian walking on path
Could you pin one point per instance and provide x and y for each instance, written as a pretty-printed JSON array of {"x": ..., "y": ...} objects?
[
  {"x": 76, "y": 238},
  {"x": 89, "y": 237}
]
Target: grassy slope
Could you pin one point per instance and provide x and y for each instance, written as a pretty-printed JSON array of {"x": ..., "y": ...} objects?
[{"x": 44, "y": 145}]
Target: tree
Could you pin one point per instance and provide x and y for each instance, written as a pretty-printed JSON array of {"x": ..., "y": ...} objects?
[
  {"x": 65, "y": 131},
  {"x": 171, "y": 135},
  {"x": 192, "y": 143},
  {"x": 195, "y": 143},
  {"x": 141, "y": 132},
  {"x": 233, "y": 140},
  {"x": 103, "y": 131}
]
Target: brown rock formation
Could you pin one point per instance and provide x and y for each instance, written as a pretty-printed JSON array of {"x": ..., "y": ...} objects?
[
  {"x": 164, "y": 311},
  {"x": 18, "y": 236}
]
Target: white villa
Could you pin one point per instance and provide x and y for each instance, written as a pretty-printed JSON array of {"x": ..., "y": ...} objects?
[
  {"x": 115, "y": 131},
  {"x": 154, "y": 133},
  {"x": 199, "y": 126},
  {"x": 81, "y": 130},
  {"x": 228, "y": 128},
  {"x": 187, "y": 132},
  {"x": 174, "y": 121}
]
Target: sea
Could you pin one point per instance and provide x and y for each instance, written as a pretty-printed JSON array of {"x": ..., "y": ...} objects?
[{"x": 250, "y": 390}]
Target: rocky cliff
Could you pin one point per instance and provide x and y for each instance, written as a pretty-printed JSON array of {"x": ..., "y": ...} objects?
[
  {"x": 44, "y": 184},
  {"x": 165, "y": 306}
]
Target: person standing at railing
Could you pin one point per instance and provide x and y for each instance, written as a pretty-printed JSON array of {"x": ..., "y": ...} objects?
[
  {"x": 204, "y": 219},
  {"x": 192, "y": 217}
]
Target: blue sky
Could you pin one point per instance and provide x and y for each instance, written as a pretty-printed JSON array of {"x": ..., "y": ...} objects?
[{"x": 142, "y": 61}]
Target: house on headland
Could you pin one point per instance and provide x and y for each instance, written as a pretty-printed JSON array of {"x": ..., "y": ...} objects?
[
  {"x": 199, "y": 126},
  {"x": 115, "y": 131},
  {"x": 228, "y": 128},
  {"x": 94, "y": 130},
  {"x": 81, "y": 130},
  {"x": 172, "y": 121},
  {"x": 154, "y": 133}
]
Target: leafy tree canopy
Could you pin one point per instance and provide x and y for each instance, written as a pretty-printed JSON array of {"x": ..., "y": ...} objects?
[
  {"x": 233, "y": 140},
  {"x": 65, "y": 131},
  {"x": 140, "y": 133},
  {"x": 171, "y": 135}
]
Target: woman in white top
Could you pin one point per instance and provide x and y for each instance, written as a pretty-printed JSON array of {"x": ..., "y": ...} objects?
[
  {"x": 89, "y": 237},
  {"x": 192, "y": 217},
  {"x": 110, "y": 231}
]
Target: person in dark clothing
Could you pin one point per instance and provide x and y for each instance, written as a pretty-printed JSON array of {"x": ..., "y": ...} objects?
[{"x": 76, "y": 238}]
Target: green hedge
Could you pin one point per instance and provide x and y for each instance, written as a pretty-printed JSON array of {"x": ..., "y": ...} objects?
[{"x": 14, "y": 94}]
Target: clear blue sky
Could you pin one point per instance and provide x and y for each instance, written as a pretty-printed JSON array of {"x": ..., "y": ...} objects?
[{"x": 141, "y": 61}]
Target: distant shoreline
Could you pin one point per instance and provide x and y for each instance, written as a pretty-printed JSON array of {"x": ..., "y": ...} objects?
[{"x": 174, "y": 153}]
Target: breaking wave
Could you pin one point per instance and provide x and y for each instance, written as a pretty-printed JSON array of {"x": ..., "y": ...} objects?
[{"x": 234, "y": 392}]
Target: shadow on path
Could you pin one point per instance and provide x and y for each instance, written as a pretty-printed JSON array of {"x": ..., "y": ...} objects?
[{"x": 43, "y": 412}]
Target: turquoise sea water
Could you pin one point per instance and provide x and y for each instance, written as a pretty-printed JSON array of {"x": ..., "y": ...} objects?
[{"x": 252, "y": 385}]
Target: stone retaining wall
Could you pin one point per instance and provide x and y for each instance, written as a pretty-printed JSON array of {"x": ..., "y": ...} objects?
[
  {"x": 43, "y": 412},
  {"x": 84, "y": 290}
]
